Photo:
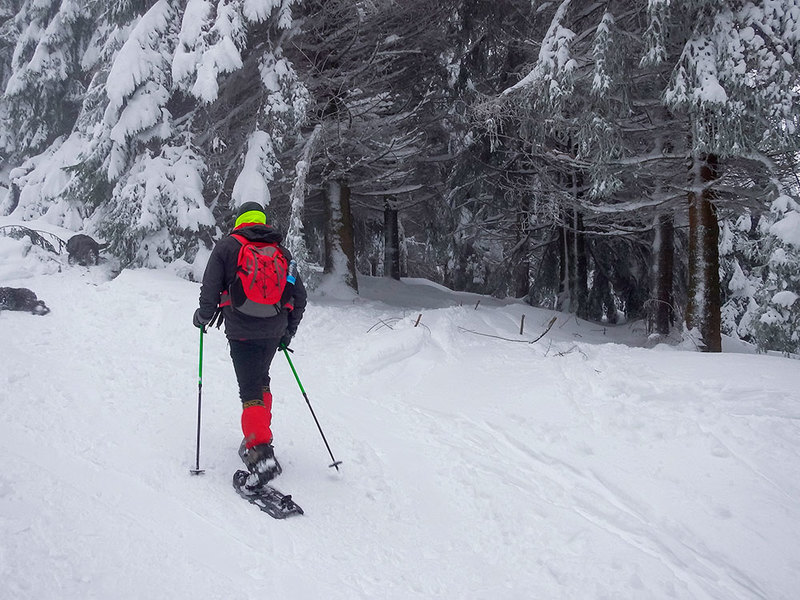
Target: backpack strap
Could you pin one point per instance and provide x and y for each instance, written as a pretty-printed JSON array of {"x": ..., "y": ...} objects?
[
  {"x": 217, "y": 319},
  {"x": 224, "y": 296}
]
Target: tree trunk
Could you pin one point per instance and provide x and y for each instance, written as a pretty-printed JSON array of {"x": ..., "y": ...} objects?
[
  {"x": 601, "y": 301},
  {"x": 339, "y": 242},
  {"x": 580, "y": 276},
  {"x": 12, "y": 200},
  {"x": 662, "y": 316},
  {"x": 703, "y": 309},
  {"x": 574, "y": 268},
  {"x": 391, "y": 242},
  {"x": 295, "y": 240},
  {"x": 520, "y": 269},
  {"x": 564, "y": 297}
]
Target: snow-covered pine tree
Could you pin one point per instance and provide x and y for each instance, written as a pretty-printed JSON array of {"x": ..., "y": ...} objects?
[
  {"x": 778, "y": 325},
  {"x": 53, "y": 43},
  {"x": 155, "y": 180},
  {"x": 8, "y": 40},
  {"x": 594, "y": 106},
  {"x": 184, "y": 102},
  {"x": 42, "y": 88},
  {"x": 210, "y": 44},
  {"x": 368, "y": 69},
  {"x": 138, "y": 87},
  {"x": 760, "y": 259},
  {"x": 579, "y": 124},
  {"x": 202, "y": 65},
  {"x": 157, "y": 207},
  {"x": 736, "y": 81},
  {"x": 258, "y": 103},
  {"x": 487, "y": 222}
]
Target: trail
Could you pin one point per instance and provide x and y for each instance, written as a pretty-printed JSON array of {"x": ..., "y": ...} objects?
[{"x": 582, "y": 466}]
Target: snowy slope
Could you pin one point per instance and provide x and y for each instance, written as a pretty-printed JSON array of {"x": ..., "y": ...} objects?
[{"x": 581, "y": 466}]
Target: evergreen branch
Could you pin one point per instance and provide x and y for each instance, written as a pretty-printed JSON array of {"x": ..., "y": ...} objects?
[{"x": 37, "y": 237}]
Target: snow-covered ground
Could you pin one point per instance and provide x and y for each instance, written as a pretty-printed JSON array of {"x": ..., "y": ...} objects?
[{"x": 580, "y": 466}]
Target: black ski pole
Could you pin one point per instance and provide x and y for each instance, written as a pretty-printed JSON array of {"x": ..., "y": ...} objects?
[
  {"x": 335, "y": 462},
  {"x": 197, "y": 470}
]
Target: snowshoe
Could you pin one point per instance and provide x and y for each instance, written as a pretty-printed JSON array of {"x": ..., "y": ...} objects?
[{"x": 271, "y": 501}]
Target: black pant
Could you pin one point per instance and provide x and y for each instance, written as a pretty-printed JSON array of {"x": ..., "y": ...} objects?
[{"x": 251, "y": 361}]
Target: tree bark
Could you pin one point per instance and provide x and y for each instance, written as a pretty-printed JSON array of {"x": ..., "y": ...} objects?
[
  {"x": 703, "y": 309},
  {"x": 574, "y": 268},
  {"x": 339, "y": 238},
  {"x": 521, "y": 262},
  {"x": 601, "y": 301},
  {"x": 662, "y": 316},
  {"x": 580, "y": 276},
  {"x": 391, "y": 242},
  {"x": 295, "y": 240}
]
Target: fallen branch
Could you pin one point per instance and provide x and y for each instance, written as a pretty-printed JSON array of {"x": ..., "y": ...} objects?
[
  {"x": 37, "y": 237},
  {"x": 499, "y": 337},
  {"x": 393, "y": 321},
  {"x": 571, "y": 350},
  {"x": 384, "y": 323}
]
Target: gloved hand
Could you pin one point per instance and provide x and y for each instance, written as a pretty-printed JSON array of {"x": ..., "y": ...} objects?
[
  {"x": 199, "y": 321},
  {"x": 285, "y": 340}
]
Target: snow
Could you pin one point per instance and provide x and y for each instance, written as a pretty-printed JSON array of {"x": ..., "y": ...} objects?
[
  {"x": 259, "y": 10},
  {"x": 554, "y": 56},
  {"x": 220, "y": 57},
  {"x": 785, "y": 298},
  {"x": 42, "y": 180},
  {"x": 137, "y": 60},
  {"x": 190, "y": 43},
  {"x": 137, "y": 88},
  {"x": 788, "y": 229},
  {"x": 580, "y": 466},
  {"x": 258, "y": 170}
]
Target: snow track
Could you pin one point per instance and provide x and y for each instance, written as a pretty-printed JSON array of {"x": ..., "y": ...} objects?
[{"x": 472, "y": 467}]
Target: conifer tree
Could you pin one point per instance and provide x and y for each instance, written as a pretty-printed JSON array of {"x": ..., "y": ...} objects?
[
  {"x": 43, "y": 84},
  {"x": 732, "y": 80},
  {"x": 185, "y": 108}
]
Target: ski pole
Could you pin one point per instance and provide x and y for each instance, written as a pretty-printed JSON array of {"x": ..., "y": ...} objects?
[
  {"x": 197, "y": 470},
  {"x": 335, "y": 462}
]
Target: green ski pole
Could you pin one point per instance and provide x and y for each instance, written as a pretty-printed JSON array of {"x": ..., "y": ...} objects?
[
  {"x": 335, "y": 462},
  {"x": 197, "y": 470}
]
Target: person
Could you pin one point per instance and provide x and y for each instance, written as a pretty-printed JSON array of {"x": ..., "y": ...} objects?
[{"x": 253, "y": 340}]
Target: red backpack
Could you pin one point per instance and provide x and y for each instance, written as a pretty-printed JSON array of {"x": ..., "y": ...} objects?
[{"x": 260, "y": 278}]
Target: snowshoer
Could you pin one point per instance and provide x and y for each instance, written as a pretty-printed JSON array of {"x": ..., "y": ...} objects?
[{"x": 246, "y": 272}]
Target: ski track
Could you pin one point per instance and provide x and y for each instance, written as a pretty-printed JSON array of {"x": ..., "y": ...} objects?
[
  {"x": 704, "y": 574},
  {"x": 609, "y": 508},
  {"x": 551, "y": 470}
]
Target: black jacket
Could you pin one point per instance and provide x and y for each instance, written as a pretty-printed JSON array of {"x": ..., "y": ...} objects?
[{"x": 219, "y": 275}]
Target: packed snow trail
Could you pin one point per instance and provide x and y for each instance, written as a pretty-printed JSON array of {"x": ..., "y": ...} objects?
[{"x": 472, "y": 467}]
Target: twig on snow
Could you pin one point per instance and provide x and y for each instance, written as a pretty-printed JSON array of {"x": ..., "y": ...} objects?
[{"x": 499, "y": 337}]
